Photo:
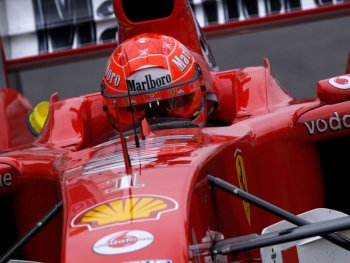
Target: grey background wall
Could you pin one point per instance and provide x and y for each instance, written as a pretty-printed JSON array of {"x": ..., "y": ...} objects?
[
  {"x": 2, "y": 73},
  {"x": 300, "y": 55}
]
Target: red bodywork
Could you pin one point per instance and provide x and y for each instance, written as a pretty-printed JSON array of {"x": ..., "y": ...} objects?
[
  {"x": 14, "y": 108},
  {"x": 283, "y": 150}
]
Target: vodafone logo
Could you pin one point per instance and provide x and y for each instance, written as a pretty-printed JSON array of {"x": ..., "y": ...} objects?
[
  {"x": 123, "y": 242},
  {"x": 342, "y": 82},
  {"x": 334, "y": 123}
]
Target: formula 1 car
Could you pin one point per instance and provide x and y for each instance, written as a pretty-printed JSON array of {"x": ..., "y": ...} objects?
[{"x": 173, "y": 192}]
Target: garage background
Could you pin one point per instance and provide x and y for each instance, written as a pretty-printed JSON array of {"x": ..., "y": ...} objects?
[{"x": 299, "y": 55}]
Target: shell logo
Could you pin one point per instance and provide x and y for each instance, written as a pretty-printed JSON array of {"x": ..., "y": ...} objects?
[{"x": 124, "y": 210}]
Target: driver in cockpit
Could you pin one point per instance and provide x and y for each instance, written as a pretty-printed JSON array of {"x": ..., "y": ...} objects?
[{"x": 153, "y": 77}]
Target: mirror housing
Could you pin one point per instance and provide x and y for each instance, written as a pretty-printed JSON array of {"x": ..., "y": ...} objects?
[{"x": 334, "y": 90}]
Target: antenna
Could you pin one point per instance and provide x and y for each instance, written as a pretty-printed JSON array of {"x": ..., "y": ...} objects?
[
  {"x": 137, "y": 142},
  {"x": 126, "y": 156},
  {"x": 143, "y": 137}
]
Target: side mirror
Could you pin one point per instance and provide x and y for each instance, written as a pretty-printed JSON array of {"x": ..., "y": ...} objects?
[
  {"x": 37, "y": 117},
  {"x": 334, "y": 90}
]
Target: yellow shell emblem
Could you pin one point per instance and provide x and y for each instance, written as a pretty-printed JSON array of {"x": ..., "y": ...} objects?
[{"x": 124, "y": 210}]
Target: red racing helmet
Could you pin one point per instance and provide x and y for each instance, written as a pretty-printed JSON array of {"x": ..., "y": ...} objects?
[{"x": 153, "y": 76}]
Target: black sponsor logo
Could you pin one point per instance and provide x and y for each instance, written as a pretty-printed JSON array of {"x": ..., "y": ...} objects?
[{"x": 148, "y": 83}]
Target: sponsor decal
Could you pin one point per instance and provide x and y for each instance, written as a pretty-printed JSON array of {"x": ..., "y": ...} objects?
[
  {"x": 149, "y": 97},
  {"x": 334, "y": 123},
  {"x": 5, "y": 180},
  {"x": 151, "y": 261},
  {"x": 112, "y": 77},
  {"x": 172, "y": 92},
  {"x": 242, "y": 180},
  {"x": 180, "y": 92},
  {"x": 124, "y": 210},
  {"x": 125, "y": 182},
  {"x": 182, "y": 60},
  {"x": 123, "y": 242},
  {"x": 342, "y": 82},
  {"x": 148, "y": 79}
]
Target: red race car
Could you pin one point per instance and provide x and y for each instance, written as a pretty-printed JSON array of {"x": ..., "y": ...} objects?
[{"x": 176, "y": 161}]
